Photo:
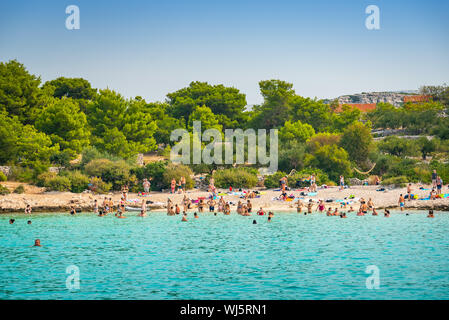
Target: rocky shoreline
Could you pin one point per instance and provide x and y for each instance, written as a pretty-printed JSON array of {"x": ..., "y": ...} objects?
[{"x": 62, "y": 201}]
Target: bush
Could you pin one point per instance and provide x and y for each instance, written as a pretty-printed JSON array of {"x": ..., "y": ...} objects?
[
  {"x": 115, "y": 172},
  {"x": 320, "y": 177},
  {"x": 4, "y": 190},
  {"x": 99, "y": 186},
  {"x": 272, "y": 181},
  {"x": 78, "y": 181},
  {"x": 20, "y": 189},
  {"x": 237, "y": 178},
  {"x": 2, "y": 176},
  {"x": 399, "y": 181},
  {"x": 154, "y": 170},
  {"x": 43, "y": 178},
  {"x": 176, "y": 172},
  {"x": 58, "y": 183},
  {"x": 21, "y": 174}
]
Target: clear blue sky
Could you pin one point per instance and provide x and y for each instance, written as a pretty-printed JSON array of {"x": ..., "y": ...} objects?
[{"x": 150, "y": 48}]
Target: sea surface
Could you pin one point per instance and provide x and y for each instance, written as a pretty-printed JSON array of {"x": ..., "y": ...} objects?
[{"x": 225, "y": 257}]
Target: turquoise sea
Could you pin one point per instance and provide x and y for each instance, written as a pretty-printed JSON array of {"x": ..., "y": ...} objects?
[{"x": 225, "y": 257}]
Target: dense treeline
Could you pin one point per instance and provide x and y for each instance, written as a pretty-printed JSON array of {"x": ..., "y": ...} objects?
[{"x": 51, "y": 123}]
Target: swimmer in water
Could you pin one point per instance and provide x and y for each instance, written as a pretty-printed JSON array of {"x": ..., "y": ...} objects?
[
  {"x": 142, "y": 213},
  {"x": 260, "y": 212},
  {"x": 254, "y": 222},
  {"x": 184, "y": 218},
  {"x": 386, "y": 213},
  {"x": 72, "y": 211},
  {"x": 37, "y": 243},
  {"x": 269, "y": 219},
  {"x": 329, "y": 212},
  {"x": 351, "y": 209},
  {"x": 375, "y": 212},
  {"x": 195, "y": 215},
  {"x": 29, "y": 222},
  {"x": 120, "y": 215},
  {"x": 343, "y": 215},
  {"x": 430, "y": 215},
  {"x": 336, "y": 212},
  {"x": 11, "y": 221}
]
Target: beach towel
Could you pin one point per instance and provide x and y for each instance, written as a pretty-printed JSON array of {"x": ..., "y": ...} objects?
[{"x": 312, "y": 194}]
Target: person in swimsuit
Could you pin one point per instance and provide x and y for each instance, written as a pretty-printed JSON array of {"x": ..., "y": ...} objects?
[
  {"x": 409, "y": 192},
  {"x": 177, "y": 209},
  {"x": 184, "y": 217},
  {"x": 201, "y": 205},
  {"x": 211, "y": 204},
  {"x": 260, "y": 212},
  {"x": 299, "y": 206},
  {"x": 249, "y": 205},
  {"x": 321, "y": 207},
  {"x": 37, "y": 243},
  {"x": 309, "y": 207},
  {"x": 386, "y": 213},
  {"x": 401, "y": 202},
  {"x": 173, "y": 185},
  {"x": 430, "y": 215},
  {"x": 72, "y": 211}
]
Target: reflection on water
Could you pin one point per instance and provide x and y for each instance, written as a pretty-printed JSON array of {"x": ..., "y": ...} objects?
[{"x": 225, "y": 257}]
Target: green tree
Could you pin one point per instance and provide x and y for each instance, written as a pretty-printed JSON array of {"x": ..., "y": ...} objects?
[
  {"x": 276, "y": 108},
  {"x": 75, "y": 88},
  {"x": 296, "y": 131},
  {"x": 225, "y": 102},
  {"x": 20, "y": 94},
  {"x": 333, "y": 160},
  {"x": 357, "y": 141},
  {"x": 66, "y": 125},
  {"x": 207, "y": 118}
]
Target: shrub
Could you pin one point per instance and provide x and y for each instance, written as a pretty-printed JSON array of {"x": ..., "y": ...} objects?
[
  {"x": 4, "y": 190},
  {"x": 154, "y": 170},
  {"x": 99, "y": 186},
  {"x": 58, "y": 183},
  {"x": 237, "y": 178},
  {"x": 78, "y": 181},
  {"x": 176, "y": 172},
  {"x": 22, "y": 174},
  {"x": 20, "y": 189},
  {"x": 272, "y": 181},
  {"x": 320, "y": 177},
  {"x": 2, "y": 176},
  {"x": 399, "y": 181},
  {"x": 43, "y": 178},
  {"x": 115, "y": 172}
]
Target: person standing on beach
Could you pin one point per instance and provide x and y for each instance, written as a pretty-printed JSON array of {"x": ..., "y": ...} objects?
[
  {"x": 95, "y": 206},
  {"x": 434, "y": 179},
  {"x": 183, "y": 184},
  {"x": 401, "y": 202},
  {"x": 439, "y": 184},
  {"x": 342, "y": 182},
  {"x": 409, "y": 192},
  {"x": 28, "y": 209},
  {"x": 173, "y": 185},
  {"x": 146, "y": 186}
]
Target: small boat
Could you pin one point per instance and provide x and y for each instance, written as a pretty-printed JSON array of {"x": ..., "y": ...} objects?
[{"x": 138, "y": 209}]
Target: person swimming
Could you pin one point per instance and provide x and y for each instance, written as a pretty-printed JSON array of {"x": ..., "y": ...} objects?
[
  {"x": 269, "y": 219},
  {"x": 11, "y": 221},
  {"x": 430, "y": 215},
  {"x": 260, "y": 212},
  {"x": 386, "y": 213},
  {"x": 184, "y": 217},
  {"x": 72, "y": 211},
  {"x": 254, "y": 222},
  {"x": 375, "y": 212},
  {"x": 37, "y": 243},
  {"x": 343, "y": 215},
  {"x": 29, "y": 222},
  {"x": 195, "y": 215}
]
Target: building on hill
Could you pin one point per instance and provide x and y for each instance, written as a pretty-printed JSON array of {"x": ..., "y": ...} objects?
[
  {"x": 363, "y": 107},
  {"x": 416, "y": 98}
]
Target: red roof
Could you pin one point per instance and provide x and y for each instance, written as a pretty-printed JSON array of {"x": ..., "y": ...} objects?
[
  {"x": 364, "y": 107},
  {"x": 416, "y": 98}
]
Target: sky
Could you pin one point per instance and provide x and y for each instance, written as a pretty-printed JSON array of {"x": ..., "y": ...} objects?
[{"x": 151, "y": 48}]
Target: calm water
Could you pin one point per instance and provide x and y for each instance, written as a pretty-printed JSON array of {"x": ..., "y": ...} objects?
[{"x": 225, "y": 257}]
